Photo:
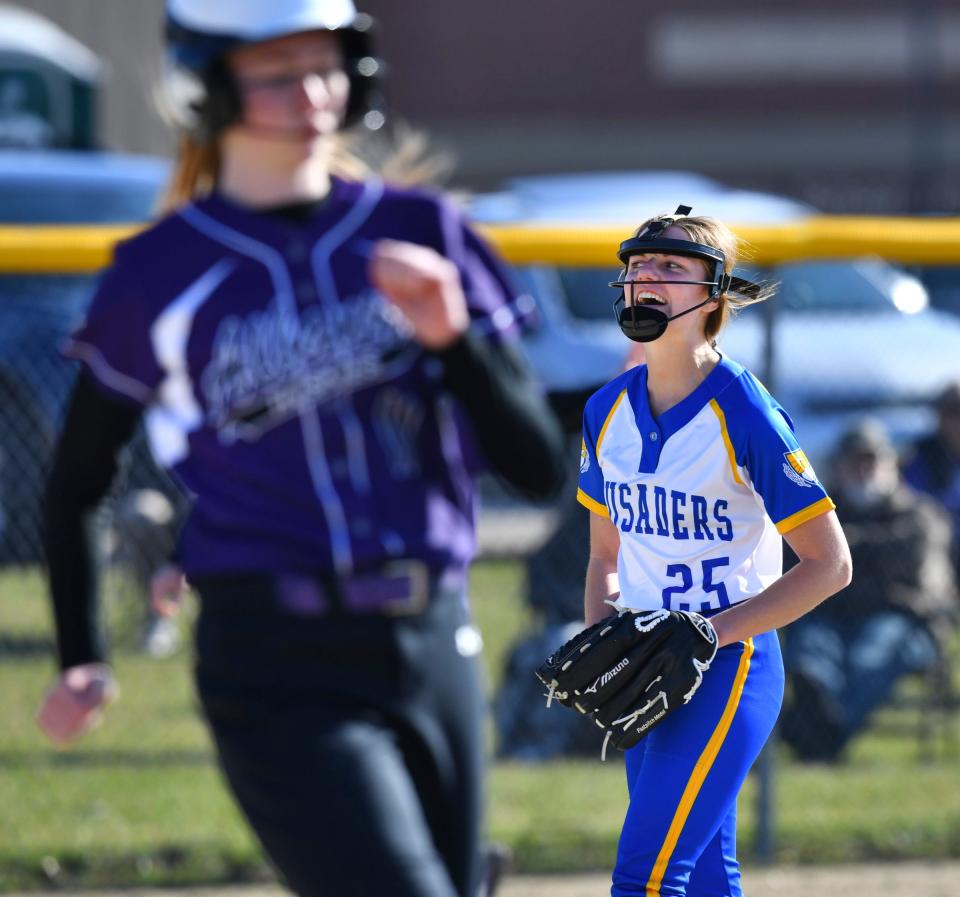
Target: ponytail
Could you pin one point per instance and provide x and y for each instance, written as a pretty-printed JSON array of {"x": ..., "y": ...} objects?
[{"x": 195, "y": 172}]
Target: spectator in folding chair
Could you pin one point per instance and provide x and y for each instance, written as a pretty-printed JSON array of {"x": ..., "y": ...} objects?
[
  {"x": 844, "y": 659},
  {"x": 933, "y": 464}
]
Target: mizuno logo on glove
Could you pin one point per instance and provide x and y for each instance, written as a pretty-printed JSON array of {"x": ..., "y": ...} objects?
[
  {"x": 607, "y": 676},
  {"x": 610, "y": 670}
]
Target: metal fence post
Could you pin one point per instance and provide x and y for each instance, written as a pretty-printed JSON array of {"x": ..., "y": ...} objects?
[
  {"x": 766, "y": 837},
  {"x": 765, "y": 767}
]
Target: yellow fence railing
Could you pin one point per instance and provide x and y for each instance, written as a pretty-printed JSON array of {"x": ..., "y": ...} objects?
[{"x": 912, "y": 241}]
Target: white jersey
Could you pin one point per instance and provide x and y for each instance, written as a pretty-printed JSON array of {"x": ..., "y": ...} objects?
[{"x": 700, "y": 495}]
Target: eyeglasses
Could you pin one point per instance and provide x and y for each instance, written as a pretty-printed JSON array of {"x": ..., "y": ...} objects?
[{"x": 286, "y": 82}]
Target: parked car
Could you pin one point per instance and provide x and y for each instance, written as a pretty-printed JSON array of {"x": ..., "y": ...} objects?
[
  {"x": 849, "y": 337},
  {"x": 38, "y": 311}
]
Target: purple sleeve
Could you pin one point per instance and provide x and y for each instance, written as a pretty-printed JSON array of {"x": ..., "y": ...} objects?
[
  {"x": 499, "y": 310},
  {"x": 114, "y": 341}
]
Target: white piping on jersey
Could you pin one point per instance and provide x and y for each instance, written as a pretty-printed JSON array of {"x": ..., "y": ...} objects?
[
  {"x": 453, "y": 245},
  {"x": 356, "y": 445},
  {"x": 335, "y": 237},
  {"x": 323, "y": 484},
  {"x": 272, "y": 260},
  {"x": 327, "y": 290},
  {"x": 178, "y": 412},
  {"x": 109, "y": 376},
  {"x": 455, "y": 248},
  {"x": 505, "y": 316},
  {"x": 309, "y": 422}
]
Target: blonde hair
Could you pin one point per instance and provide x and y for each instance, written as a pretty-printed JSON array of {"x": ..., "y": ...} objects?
[
  {"x": 404, "y": 159},
  {"x": 711, "y": 232},
  {"x": 195, "y": 172}
]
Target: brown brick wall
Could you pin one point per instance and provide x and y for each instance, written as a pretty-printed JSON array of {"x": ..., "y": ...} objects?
[{"x": 514, "y": 86}]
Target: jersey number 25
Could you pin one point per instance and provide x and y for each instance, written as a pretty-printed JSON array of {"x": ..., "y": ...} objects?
[{"x": 685, "y": 574}]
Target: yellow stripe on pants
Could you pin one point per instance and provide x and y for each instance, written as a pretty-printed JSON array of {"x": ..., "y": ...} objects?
[{"x": 700, "y": 770}]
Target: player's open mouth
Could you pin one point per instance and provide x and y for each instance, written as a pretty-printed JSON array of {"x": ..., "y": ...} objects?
[{"x": 645, "y": 297}]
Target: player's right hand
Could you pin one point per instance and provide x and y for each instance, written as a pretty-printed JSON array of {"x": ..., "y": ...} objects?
[
  {"x": 76, "y": 702},
  {"x": 425, "y": 286}
]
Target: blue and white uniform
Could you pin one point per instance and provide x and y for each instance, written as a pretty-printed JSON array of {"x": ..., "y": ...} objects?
[{"x": 700, "y": 497}]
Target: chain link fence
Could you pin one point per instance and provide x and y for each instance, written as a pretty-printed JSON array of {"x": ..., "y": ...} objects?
[
  {"x": 840, "y": 347},
  {"x": 881, "y": 655},
  {"x": 137, "y": 523},
  {"x": 899, "y": 672}
]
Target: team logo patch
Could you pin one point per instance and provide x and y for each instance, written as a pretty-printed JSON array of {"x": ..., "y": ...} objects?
[
  {"x": 584, "y": 458},
  {"x": 798, "y": 468}
]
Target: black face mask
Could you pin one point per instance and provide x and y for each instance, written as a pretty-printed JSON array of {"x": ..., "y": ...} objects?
[{"x": 645, "y": 323}]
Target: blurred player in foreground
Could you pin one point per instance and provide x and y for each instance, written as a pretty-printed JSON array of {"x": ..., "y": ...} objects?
[
  {"x": 693, "y": 474},
  {"x": 325, "y": 362}
]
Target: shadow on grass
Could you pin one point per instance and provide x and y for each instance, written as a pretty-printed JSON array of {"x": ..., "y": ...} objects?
[
  {"x": 105, "y": 759},
  {"x": 163, "y": 866},
  {"x": 25, "y": 647}
]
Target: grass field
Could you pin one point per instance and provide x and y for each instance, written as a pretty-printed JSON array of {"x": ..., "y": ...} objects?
[{"x": 140, "y": 801}]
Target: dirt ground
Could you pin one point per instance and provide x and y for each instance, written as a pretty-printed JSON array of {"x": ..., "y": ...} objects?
[{"x": 877, "y": 880}]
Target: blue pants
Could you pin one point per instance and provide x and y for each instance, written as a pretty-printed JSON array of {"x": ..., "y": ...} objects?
[{"x": 679, "y": 835}]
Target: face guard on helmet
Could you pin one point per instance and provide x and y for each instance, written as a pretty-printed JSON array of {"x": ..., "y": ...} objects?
[
  {"x": 200, "y": 34},
  {"x": 643, "y": 323}
]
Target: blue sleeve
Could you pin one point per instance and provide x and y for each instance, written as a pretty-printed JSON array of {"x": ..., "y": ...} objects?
[
  {"x": 590, "y": 486},
  {"x": 600, "y": 406},
  {"x": 765, "y": 444}
]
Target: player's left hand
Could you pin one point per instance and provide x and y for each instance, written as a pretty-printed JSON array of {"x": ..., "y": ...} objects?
[
  {"x": 631, "y": 670},
  {"x": 423, "y": 285},
  {"x": 75, "y": 704}
]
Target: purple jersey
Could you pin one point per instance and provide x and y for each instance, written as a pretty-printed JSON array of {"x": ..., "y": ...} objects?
[{"x": 285, "y": 392}]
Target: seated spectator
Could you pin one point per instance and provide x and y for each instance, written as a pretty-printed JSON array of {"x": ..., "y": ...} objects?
[
  {"x": 844, "y": 659},
  {"x": 933, "y": 465}
]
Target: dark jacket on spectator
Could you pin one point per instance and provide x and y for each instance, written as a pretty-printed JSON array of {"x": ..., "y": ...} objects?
[{"x": 901, "y": 559}]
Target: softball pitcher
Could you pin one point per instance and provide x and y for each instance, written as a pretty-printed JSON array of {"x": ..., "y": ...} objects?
[
  {"x": 693, "y": 474},
  {"x": 325, "y": 362}
]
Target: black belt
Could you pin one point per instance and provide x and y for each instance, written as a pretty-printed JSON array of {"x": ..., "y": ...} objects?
[{"x": 396, "y": 589}]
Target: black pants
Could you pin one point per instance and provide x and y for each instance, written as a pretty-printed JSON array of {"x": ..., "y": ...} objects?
[{"x": 353, "y": 744}]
